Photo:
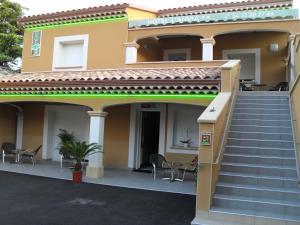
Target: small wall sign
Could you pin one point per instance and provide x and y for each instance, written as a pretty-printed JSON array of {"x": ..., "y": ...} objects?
[{"x": 205, "y": 138}]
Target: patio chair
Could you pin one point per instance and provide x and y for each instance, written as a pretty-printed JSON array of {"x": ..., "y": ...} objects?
[
  {"x": 282, "y": 86},
  {"x": 189, "y": 168},
  {"x": 8, "y": 150},
  {"x": 65, "y": 158},
  {"x": 159, "y": 163},
  {"x": 30, "y": 154}
]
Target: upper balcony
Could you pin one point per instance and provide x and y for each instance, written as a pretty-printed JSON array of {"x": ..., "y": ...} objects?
[{"x": 263, "y": 53}]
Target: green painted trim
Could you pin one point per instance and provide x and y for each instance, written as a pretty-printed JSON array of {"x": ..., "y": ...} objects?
[
  {"x": 118, "y": 96},
  {"x": 69, "y": 23}
]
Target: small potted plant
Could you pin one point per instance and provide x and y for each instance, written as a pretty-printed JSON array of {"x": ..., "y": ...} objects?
[
  {"x": 186, "y": 142},
  {"x": 79, "y": 151}
]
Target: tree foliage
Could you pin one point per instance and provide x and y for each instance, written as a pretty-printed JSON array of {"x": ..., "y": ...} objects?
[{"x": 10, "y": 32}]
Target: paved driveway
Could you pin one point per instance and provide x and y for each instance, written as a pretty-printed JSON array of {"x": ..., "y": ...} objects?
[{"x": 32, "y": 200}]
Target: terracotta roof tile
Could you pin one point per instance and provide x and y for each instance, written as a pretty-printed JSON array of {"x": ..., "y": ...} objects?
[
  {"x": 193, "y": 73},
  {"x": 76, "y": 14},
  {"x": 188, "y": 80},
  {"x": 224, "y": 7}
]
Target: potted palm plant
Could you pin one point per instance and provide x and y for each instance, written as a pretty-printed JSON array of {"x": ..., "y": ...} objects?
[
  {"x": 65, "y": 137},
  {"x": 79, "y": 151}
]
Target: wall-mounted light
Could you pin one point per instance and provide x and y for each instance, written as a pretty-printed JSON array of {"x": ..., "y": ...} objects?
[{"x": 273, "y": 47}]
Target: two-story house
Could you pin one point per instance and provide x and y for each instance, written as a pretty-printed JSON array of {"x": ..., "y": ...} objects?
[{"x": 140, "y": 82}]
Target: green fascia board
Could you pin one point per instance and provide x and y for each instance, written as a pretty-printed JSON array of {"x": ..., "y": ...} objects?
[
  {"x": 262, "y": 14},
  {"x": 110, "y": 96},
  {"x": 69, "y": 23}
]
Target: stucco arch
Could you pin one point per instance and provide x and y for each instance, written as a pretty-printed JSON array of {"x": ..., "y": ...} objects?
[
  {"x": 92, "y": 104},
  {"x": 191, "y": 103},
  {"x": 250, "y": 30},
  {"x": 167, "y": 35},
  {"x": 208, "y": 30}
]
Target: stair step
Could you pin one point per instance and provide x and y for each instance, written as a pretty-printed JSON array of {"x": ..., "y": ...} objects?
[
  {"x": 264, "y": 106},
  {"x": 262, "y": 160},
  {"x": 261, "y": 135},
  {"x": 260, "y": 110},
  {"x": 263, "y": 181},
  {"x": 282, "y": 171},
  {"x": 261, "y": 143},
  {"x": 258, "y": 128},
  {"x": 259, "y": 200},
  {"x": 262, "y": 101},
  {"x": 255, "y": 204},
  {"x": 259, "y": 151},
  {"x": 257, "y": 214},
  {"x": 259, "y": 122},
  {"x": 243, "y": 96},
  {"x": 266, "y": 117},
  {"x": 255, "y": 191}
]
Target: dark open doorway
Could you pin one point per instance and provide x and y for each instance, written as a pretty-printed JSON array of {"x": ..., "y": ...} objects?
[{"x": 149, "y": 137}]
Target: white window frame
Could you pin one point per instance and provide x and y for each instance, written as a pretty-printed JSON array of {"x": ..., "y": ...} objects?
[
  {"x": 187, "y": 51},
  {"x": 65, "y": 39},
  {"x": 170, "y": 135},
  {"x": 255, "y": 51},
  {"x": 134, "y": 133}
]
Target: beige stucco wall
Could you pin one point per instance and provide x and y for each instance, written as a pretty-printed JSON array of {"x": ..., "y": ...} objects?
[
  {"x": 105, "y": 49},
  {"x": 296, "y": 114},
  {"x": 33, "y": 125},
  {"x": 139, "y": 14},
  {"x": 7, "y": 124},
  {"x": 273, "y": 68},
  {"x": 153, "y": 50},
  {"x": 297, "y": 54},
  {"x": 116, "y": 136},
  {"x": 295, "y": 93}
]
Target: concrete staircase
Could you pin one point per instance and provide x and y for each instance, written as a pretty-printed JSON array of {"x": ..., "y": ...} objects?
[{"x": 258, "y": 176}]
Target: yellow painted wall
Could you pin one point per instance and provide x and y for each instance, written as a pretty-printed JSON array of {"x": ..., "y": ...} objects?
[
  {"x": 116, "y": 136},
  {"x": 273, "y": 68},
  {"x": 295, "y": 93},
  {"x": 187, "y": 42},
  {"x": 153, "y": 50},
  {"x": 105, "y": 50},
  {"x": 296, "y": 114},
  {"x": 7, "y": 124},
  {"x": 139, "y": 14},
  {"x": 297, "y": 54},
  {"x": 33, "y": 125}
]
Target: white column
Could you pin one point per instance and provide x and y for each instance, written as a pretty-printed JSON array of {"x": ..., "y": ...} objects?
[
  {"x": 207, "y": 49},
  {"x": 131, "y": 52},
  {"x": 95, "y": 167},
  {"x": 292, "y": 59},
  {"x": 19, "y": 136}
]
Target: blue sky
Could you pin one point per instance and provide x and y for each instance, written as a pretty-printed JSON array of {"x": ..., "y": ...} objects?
[{"x": 46, "y": 6}]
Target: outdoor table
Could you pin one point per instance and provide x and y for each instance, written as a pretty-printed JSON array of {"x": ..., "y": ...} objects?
[
  {"x": 17, "y": 152},
  {"x": 175, "y": 166},
  {"x": 259, "y": 87}
]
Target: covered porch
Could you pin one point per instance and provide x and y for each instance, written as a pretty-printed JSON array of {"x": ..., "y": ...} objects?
[{"x": 113, "y": 177}]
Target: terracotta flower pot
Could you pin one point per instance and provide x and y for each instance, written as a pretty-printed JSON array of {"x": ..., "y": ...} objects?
[{"x": 77, "y": 177}]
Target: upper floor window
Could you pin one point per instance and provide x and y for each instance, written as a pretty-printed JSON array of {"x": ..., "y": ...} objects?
[
  {"x": 70, "y": 52},
  {"x": 181, "y": 54},
  {"x": 36, "y": 43}
]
